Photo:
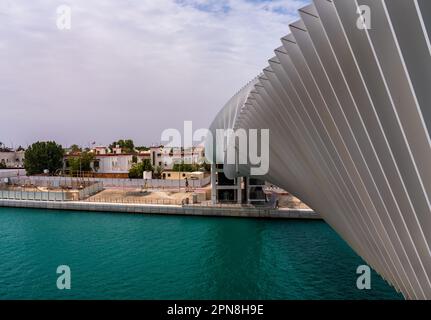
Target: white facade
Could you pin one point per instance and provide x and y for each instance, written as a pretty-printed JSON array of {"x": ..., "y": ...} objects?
[
  {"x": 168, "y": 157},
  {"x": 100, "y": 150},
  {"x": 116, "y": 163},
  {"x": 13, "y": 159}
]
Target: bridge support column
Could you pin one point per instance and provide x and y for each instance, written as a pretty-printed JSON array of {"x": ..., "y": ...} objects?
[
  {"x": 239, "y": 190},
  {"x": 213, "y": 184}
]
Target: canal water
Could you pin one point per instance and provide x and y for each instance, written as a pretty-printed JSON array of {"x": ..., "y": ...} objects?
[{"x": 114, "y": 256}]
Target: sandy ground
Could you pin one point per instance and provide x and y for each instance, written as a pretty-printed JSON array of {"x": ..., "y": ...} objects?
[
  {"x": 172, "y": 197},
  {"x": 163, "y": 197},
  {"x": 289, "y": 201},
  {"x": 152, "y": 197}
]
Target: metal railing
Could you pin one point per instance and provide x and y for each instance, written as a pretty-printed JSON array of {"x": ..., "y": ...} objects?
[
  {"x": 118, "y": 183},
  {"x": 9, "y": 173},
  {"x": 31, "y": 192},
  {"x": 123, "y": 200}
]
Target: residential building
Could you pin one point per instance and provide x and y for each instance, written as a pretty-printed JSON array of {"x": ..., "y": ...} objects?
[
  {"x": 178, "y": 175},
  {"x": 101, "y": 150},
  {"x": 168, "y": 157},
  {"x": 114, "y": 164},
  {"x": 12, "y": 159}
]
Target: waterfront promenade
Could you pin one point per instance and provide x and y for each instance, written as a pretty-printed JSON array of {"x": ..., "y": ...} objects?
[
  {"x": 121, "y": 204},
  {"x": 189, "y": 210}
]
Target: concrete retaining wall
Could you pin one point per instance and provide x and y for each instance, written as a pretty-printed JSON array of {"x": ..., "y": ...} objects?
[
  {"x": 9, "y": 173},
  {"x": 165, "y": 210},
  {"x": 118, "y": 183},
  {"x": 52, "y": 195}
]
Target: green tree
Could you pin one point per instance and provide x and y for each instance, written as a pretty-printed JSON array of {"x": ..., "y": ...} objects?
[
  {"x": 43, "y": 155},
  {"x": 182, "y": 167},
  {"x": 74, "y": 148},
  {"x": 158, "y": 172},
  {"x": 137, "y": 170},
  {"x": 177, "y": 167},
  {"x": 127, "y": 146},
  {"x": 81, "y": 163},
  {"x": 205, "y": 167},
  {"x": 147, "y": 165},
  {"x": 2, "y": 165}
]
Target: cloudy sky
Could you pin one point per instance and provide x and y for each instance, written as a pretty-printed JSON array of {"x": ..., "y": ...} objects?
[{"x": 128, "y": 68}]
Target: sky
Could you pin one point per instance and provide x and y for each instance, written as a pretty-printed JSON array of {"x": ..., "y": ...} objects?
[{"x": 128, "y": 68}]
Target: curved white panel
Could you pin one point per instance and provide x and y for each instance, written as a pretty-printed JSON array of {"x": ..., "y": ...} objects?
[{"x": 349, "y": 118}]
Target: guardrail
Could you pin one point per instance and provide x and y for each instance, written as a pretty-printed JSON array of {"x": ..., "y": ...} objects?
[
  {"x": 60, "y": 195},
  {"x": 9, "y": 173},
  {"x": 123, "y": 200},
  {"x": 117, "y": 183}
]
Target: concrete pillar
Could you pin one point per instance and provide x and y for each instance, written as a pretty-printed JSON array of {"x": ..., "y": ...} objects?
[
  {"x": 213, "y": 184},
  {"x": 247, "y": 189},
  {"x": 239, "y": 191}
]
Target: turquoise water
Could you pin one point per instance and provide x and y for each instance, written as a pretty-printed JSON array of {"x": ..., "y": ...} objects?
[{"x": 115, "y": 256}]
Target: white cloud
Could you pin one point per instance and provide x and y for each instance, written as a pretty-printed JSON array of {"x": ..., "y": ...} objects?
[{"x": 128, "y": 68}]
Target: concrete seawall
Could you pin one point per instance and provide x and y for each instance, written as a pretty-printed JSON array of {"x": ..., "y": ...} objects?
[{"x": 243, "y": 212}]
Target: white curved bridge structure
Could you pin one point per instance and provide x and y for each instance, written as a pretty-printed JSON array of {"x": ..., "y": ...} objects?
[{"x": 349, "y": 114}]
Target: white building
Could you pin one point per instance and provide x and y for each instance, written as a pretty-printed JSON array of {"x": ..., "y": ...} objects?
[
  {"x": 117, "y": 164},
  {"x": 100, "y": 150},
  {"x": 12, "y": 159},
  {"x": 112, "y": 163},
  {"x": 168, "y": 157}
]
